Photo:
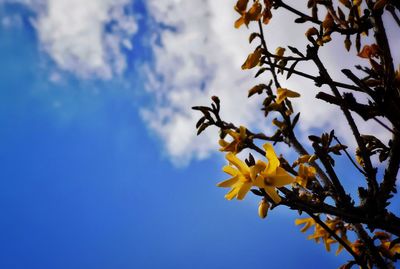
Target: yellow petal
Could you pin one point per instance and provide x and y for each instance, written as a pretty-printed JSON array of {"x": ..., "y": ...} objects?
[
  {"x": 228, "y": 183},
  {"x": 259, "y": 182},
  {"x": 283, "y": 93},
  {"x": 239, "y": 22},
  {"x": 273, "y": 194},
  {"x": 242, "y": 132},
  {"x": 223, "y": 143},
  {"x": 243, "y": 190},
  {"x": 230, "y": 170},
  {"x": 241, "y": 166},
  {"x": 252, "y": 60},
  {"x": 231, "y": 194},
  {"x": 273, "y": 161},
  {"x": 280, "y": 178},
  {"x": 241, "y": 6},
  {"x": 301, "y": 221}
]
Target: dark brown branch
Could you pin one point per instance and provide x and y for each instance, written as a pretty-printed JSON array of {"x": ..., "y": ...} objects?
[
  {"x": 365, "y": 111},
  {"x": 343, "y": 200},
  {"x": 371, "y": 172},
  {"x": 316, "y": 79}
]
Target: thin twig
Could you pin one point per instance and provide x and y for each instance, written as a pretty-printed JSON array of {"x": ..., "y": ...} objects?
[
  {"x": 340, "y": 240},
  {"x": 350, "y": 158}
]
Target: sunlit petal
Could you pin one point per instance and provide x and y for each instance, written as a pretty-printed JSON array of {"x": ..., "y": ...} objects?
[
  {"x": 230, "y": 170},
  {"x": 242, "y": 166},
  {"x": 244, "y": 189},
  {"x": 228, "y": 183},
  {"x": 273, "y": 161},
  {"x": 273, "y": 194},
  {"x": 280, "y": 178}
]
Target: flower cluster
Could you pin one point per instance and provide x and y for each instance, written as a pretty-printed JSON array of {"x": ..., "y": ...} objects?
[{"x": 268, "y": 176}]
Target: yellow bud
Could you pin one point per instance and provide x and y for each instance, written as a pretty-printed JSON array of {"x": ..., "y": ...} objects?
[
  {"x": 279, "y": 124},
  {"x": 280, "y": 51},
  {"x": 326, "y": 38},
  {"x": 263, "y": 209},
  {"x": 304, "y": 158},
  {"x": 312, "y": 31}
]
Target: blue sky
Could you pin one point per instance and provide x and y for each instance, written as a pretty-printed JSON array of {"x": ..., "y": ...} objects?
[{"x": 92, "y": 176}]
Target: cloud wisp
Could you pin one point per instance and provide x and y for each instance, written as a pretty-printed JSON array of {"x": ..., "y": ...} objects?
[{"x": 86, "y": 38}]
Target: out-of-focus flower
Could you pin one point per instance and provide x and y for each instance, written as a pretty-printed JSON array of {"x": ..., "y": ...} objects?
[
  {"x": 305, "y": 173},
  {"x": 236, "y": 145},
  {"x": 284, "y": 93}
]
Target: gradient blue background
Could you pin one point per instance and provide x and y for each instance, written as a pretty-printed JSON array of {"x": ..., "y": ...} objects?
[{"x": 83, "y": 184}]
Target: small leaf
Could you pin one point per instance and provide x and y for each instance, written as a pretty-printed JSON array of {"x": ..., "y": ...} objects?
[
  {"x": 300, "y": 20},
  {"x": 202, "y": 128},
  {"x": 257, "y": 192},
  {"x": 358, "y": 42},
  {"x": 252, "y": 161},
  {"x": 252, "y": 36},
  {"x": 257, "y": 89},
  {"x": 314, "y": 138},
  {"x": 200, "y": 122},
  {"x": 347, "y": 43},
  {"x": 260, "y": 71},
  {"x": 291, "y": 69},
  {"x": 296, "y": 51},
  {"x": 296, "y": 119},
  {"x": 201, "y": 108}
]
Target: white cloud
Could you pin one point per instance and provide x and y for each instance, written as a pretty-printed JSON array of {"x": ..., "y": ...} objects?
[
  {"x": 74, "y": 34},
  {"x": 202, "y": 56},
  {"x": 195, "y": 61},
  {"x": 198, "y": 55}
]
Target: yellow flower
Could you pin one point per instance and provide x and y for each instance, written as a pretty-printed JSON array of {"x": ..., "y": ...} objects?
[
  {"x": 267, "y": 176},
  {"x": 305, "y": 173},
  {"x": 271, "y": 176},
  {"x": 309, "y": 222},
  {"x": 254, "y": 13},
  {"x": 236, "y": 145},
  {"x": 390, "y": 251},
  {"x": 324, "y": 235},
  {"x": 284, "y": 93},
  {"x": 241, "y": 180}
]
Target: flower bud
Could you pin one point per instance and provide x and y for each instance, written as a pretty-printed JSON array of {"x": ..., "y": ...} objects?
[{"x": 263, "y": 209}]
